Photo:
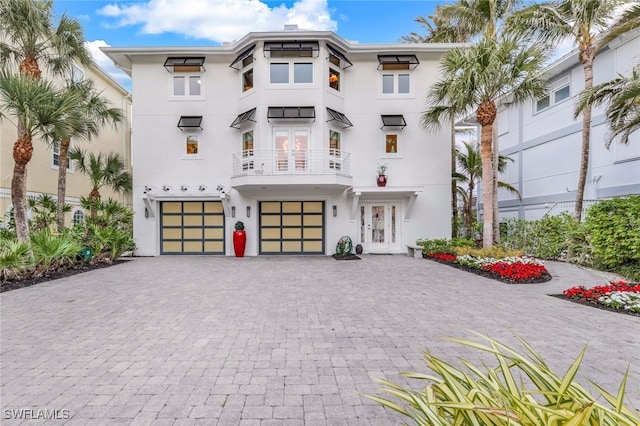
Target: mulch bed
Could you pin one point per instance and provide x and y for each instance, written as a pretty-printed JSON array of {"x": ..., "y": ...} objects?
[
  {"x": 75, "y": 269},
  {"x": 596, "y": 305},
  {"x": 543, "y": 279}
]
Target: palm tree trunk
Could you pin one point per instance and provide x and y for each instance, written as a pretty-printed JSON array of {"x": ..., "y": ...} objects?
[
  {"x": 454, "y": 190},
  {"x": 494, "y": 184},
  {"x": 62, "y": 180},
  {"x": 22, "y": 152},
  {"x": 487, "y": 192},
  {"x": 586, "y": 57},
  {"x": 94, "y": 197},
  {"x": 469, "y": 210}
]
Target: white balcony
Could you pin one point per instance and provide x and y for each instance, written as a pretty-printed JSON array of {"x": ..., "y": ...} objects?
[{"x": 292, "y": 168}]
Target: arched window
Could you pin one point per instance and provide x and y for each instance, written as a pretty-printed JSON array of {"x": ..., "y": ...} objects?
[{"x": 78, "y": 217}]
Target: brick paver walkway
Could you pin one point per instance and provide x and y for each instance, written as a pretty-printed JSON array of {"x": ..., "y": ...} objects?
[{"x": 275, "y": 340}]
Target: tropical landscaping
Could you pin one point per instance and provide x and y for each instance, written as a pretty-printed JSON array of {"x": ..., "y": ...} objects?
[{"x": 49, "y": 106}]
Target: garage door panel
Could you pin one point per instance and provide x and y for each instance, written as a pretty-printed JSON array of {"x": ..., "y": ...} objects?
[
  {"x": 193, "y": 234},
  {"x": 291, "y": 233},
  {"x": 214, "y": 246},
  {"x": 172, "y": 234},
  {"x": 315, "y": 220},
  {"x": 172, "y": 220},
  {"x": 271, "y": 246},
  {"x": 192, "y": 220},
  {"x": 213, "y": 221},
  {"x": 268, "y": 207},
  {"x": 312, "y": 246},
  {"x": 192, "y": 227},
  {"x": 214, "y": 233},
  {"x": 291, "y": 227},
  {"x": 172, "y": 246},
  {"x": 192, "y": 207},
  {"x": 292, "y": 246},
  {"x": 271, "y": 220},
  {"x": 291, "y": 220}
]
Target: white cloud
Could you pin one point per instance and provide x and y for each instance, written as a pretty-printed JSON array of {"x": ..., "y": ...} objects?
[
  {"x": 107, "y": 64},
  {"x": 218, "y": 20}
]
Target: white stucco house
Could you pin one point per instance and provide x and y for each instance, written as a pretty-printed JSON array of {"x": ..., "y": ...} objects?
[
  {"x": 544, "y": 140},
  {"x": 284, "y": 131}
]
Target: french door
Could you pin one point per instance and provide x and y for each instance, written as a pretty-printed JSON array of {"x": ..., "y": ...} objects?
[
  {"x": 380, "y": 227},
  {"x": 291, "y": 145}
]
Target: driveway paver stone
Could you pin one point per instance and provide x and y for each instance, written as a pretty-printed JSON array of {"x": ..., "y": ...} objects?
[{"x": 181, "y": 340}]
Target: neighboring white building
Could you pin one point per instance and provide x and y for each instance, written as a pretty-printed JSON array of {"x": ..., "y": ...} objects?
[
  {"x": 284, "y": 131},
  {"x": 544, "y": 140}
]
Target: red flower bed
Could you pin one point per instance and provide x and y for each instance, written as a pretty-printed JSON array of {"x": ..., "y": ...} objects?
[
  {"x": 594, "y": 293},
  {"x": 516, "y": 271},
  {"x": 443, "y": 256}
]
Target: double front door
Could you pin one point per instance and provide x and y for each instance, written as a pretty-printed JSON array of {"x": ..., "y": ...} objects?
[{"x": 380, "y": 227}]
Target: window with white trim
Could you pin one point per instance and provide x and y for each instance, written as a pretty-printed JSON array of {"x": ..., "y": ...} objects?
[
  {"x": 396, "y": 83},
  {"x": 335, "y": 147},
  {"x": 247, "y": 151},
  {"x": 291, "y": 72},
  {"x": 187, "y": 85},
  {"x": 55, "y": 158},
  {"x": 191, "y": 146},
  {"x": 391, "y": 146},
  {"x": 559, "y": 91},
  {"x": 77, "y": 218}
]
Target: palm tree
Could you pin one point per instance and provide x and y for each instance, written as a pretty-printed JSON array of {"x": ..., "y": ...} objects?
[
  {"x": 623, "y": 109},
  {"x": 464, "y": 21},
  {"x": 477, "y": 77},
  {"x": 95, "y": 112},
  {"x": 470, "y": 165},
  {"x": 28, "y": 38},
  {"x": 102, "y": 170},
  {"x": 580, "y": 21},
  {"x": 37, "y": 109},
  {"x": 35, "y": 40}
]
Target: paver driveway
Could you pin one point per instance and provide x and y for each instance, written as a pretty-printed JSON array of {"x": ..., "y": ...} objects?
[{"x": 275, "y": 340}]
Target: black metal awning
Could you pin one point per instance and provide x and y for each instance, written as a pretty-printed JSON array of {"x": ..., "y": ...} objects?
[
  {"x": 184, "y": 64},
  {"x": 398, "y": 61},
  {"x": 243, "y": 118},
  {"x": 393, "y": 121},
  {"x": 339, "y": 117},
  {"x": 242, "y": 56},
  {"x": 291, "y": 113},
  {"x": 335, "y": 52},
  {"x": 190, "y": 122},
  {"x": 291, "y": 46}
]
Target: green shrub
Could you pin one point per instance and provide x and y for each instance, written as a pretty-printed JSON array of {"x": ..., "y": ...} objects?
[
  {"x": 614, "y": 230},
  {"x": 483, "y": 395},
  {"x": 630, "y": 271},
  {"x": 15, "y": 257},
  {"x": 443, "y": 245},
  {"x": 494, "y": 252},
  {"x": 52, "y": 251},
  {"x": 546, "y": 238}
]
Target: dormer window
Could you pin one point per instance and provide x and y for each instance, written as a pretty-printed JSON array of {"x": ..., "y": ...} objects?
[{"x": 185, "y": 64}]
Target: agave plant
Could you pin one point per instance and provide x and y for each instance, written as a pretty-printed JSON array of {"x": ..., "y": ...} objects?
[{"x": 500, "y": 396}]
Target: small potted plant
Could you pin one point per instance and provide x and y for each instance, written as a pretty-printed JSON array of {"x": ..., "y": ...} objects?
[
  {"x": 381, "y": 180},
  {"x": 239, "y": 239}
]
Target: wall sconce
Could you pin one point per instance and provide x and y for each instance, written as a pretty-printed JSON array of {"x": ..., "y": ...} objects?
[
  {"x": 233, "y": 211},
  {"x": 335, "y": 210},
  {"x": 146, "y": 213},
  {"x": 248, "y": 211},
  {"x": 165, "y": 188},
  {"x": 183, "y": 188},
  {"x": 202, "y": 188}
]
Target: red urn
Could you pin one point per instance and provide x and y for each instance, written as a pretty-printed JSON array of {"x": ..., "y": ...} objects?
[{"x": 239, "y": 239}]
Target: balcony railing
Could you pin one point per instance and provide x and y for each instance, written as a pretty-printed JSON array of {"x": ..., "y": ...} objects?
[{"x": 292, "y": 162}]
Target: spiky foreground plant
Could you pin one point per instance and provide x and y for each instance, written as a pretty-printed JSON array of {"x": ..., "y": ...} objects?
[{"x": 521, "y": 390}]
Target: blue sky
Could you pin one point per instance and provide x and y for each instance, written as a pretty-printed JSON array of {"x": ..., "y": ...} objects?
[{"x": 212, "y": 22}]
